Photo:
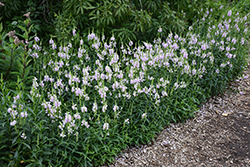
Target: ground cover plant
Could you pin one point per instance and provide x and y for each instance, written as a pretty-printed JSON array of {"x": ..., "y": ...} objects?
[{"x": 88, "y": 103}]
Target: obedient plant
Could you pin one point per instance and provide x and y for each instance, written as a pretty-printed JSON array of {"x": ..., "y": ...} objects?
[{"x": 85, "y": 110}]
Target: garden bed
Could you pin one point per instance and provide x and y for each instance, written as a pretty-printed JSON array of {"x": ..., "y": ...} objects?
[{"x": 219, "y": 135}]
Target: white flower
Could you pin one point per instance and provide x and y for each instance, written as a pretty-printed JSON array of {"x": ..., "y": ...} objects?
[{"x": 144, "y": 115}]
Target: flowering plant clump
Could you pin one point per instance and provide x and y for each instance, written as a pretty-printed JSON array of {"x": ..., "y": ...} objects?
[{"x": 86, "y": 104}]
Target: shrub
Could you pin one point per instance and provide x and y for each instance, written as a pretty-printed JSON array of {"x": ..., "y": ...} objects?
[
  {"x": 41, "y": 14},
  {"x": 14, "y": 56},
  {"x": 129, "y": 20}
]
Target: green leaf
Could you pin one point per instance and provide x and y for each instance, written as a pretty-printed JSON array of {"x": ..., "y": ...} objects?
[
  {"x": 22, "y": 28},
  {"x": 27, "y": 145}
]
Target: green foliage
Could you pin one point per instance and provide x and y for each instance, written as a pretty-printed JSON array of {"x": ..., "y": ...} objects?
[
  {"x": 14, "y": 57},
  {"x": 64, "y": 120},
  {"x": 127, "y": 20},
  {"x": 41, "y": 14}
]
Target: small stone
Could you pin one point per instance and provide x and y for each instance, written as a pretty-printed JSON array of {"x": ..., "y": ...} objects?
[{"x": 126, "y": 155}]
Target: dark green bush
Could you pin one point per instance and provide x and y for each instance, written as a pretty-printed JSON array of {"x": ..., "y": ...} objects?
[
  {"x": 129, "y": 20},
  {"x": 41, "y": 14}
]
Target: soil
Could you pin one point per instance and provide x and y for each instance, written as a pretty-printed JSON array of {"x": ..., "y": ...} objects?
[{"x": 219, "y": 135}]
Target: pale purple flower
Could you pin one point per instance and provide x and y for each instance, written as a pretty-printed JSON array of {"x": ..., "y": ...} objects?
[
  {"x": 245, "y": 30},
  {"x": 224, "y": 34},
  {"x": 175, "y": 46},
  {"x": 62, "y": 134},
  {"x": 245, "y": 18},
  {"x": 51, "y": 41},
  {"x": 74, "y": 32},
  {"x": 127, "y": 120},
  {"x": 130, "y": 43},
  {"x": 57, "y": 103},
  {"x": 104, "y": 107},
  {"x": 229, "y": 55},
  {"x": 194, "y": 71},
  {"x": 24, "y": 114},
  {"x": 77, "y": 116},
  {"x": 229, "y": 13},
  {"x": 85, "y": 123},
  {"x": 23, "y": 136},
  {"x": 36, "y": 39},
  {"x": 176, "y": 36},
  {"x": 17, "y": 97},
  {"x": 148, "y": 46},
  {"x": 242, "y": 41},
  {"x": 144, "y": 115},
  {"x": 46, "y": 78},
  {"x": 217, "y": 71},
  {"x": 112, "y": 38},
  {"x": 13, "y": 123},
  {"x": 53, "y": 46},
  {"x": 103, "y": 38},
  {"x": 14, "y": 106},
  {"x": 234, "y": 40},
  {"x": 222, "y": 65},
  {"x": 84, "y": 109},
  {"x": 68, "y": 118},
  {"x": 94, "y": 107},
  {"x": 91, "y": 36},
  {"x": 160, "y": 30},
  {"x": 41, "y": 84},
  {"x": 106, "y": 126},
  {"x": 115, "y": 108},
  {"x": 74, "y": 107},
  {"x": 10, "y": 110}
]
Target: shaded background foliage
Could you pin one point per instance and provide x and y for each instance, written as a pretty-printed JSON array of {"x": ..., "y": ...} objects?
[
  {"x": 42, "y": 14},
  {"x": 125, "y": 19}
]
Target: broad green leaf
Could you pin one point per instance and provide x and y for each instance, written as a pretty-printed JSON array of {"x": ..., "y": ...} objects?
[{"x": 22, "y": 28}]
